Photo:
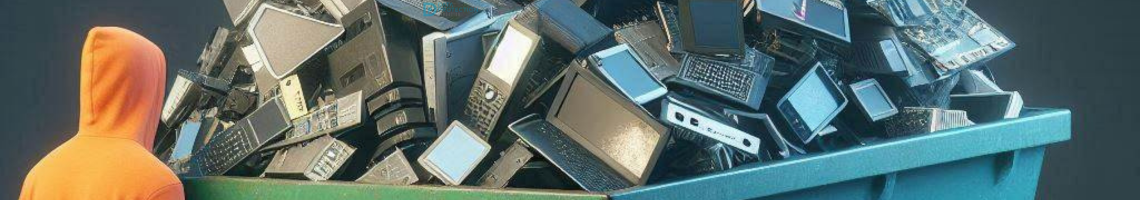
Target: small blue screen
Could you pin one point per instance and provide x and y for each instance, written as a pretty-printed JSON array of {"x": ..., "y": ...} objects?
[{"x": 629, "y": 75}]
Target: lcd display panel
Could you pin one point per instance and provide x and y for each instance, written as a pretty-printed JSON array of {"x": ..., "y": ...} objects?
[
  {"x": 813, "y": 101},
  {"x": 455, "y": 153},
  {"x": 874, "y": 101},
  {"x": 607, "y": 126},
  {"x": 186, "y": 136},
  {"x": 711, "y": 23},
  {"x": 510, "y": 55}
]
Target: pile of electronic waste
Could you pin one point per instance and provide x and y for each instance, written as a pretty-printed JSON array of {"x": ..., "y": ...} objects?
[{"x": 596, "y": 95}]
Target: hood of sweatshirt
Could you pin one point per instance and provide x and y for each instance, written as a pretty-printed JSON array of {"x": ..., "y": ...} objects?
[{"x": 121, "y": 86}]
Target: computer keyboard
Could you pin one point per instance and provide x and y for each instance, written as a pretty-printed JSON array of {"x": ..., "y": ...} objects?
[
  {"x": 582, "y": 166},
  {"x": 720, "y": 76},
  {"x": 224, "y": 151}
]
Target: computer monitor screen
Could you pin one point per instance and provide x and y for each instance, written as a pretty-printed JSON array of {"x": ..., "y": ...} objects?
[
  {"x": 511, "y": 54},
  {"x": 607, "y": 126},
  {"x": 624, "y": 70},
  {"x": 711, "y": 21},
  {"x": 813, "y": 101}
]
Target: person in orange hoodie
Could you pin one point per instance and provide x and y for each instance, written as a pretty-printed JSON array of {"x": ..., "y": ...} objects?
[{"x": 122, "y": 83}]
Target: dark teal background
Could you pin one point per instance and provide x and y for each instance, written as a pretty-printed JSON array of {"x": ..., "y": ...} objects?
[{"x": 1080, "y": 55}]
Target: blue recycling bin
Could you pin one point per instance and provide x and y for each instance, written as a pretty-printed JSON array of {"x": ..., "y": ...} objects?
[{"x": 998, "y": 160}]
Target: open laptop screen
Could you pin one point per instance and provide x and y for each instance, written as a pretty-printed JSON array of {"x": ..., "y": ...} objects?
[{"x": 608, "y": 126}]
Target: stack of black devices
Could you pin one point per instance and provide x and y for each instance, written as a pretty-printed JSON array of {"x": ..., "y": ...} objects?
[{"x": 565, "y": 94}]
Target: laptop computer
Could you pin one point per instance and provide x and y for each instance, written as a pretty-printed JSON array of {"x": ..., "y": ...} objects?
[{"x": 602, "y": 140}]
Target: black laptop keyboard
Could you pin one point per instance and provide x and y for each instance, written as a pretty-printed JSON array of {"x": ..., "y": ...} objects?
[
  {"x": 225, "y": 151},
  {"x": 718, "y": 75},
  {"x": 582, "y": 166}
]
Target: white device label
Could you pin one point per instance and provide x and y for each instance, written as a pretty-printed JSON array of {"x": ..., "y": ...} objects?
[
  {"x": 348, "y": 109},
  {"x": 683, "y": 117},
  {"x": 293, "y": 97}
]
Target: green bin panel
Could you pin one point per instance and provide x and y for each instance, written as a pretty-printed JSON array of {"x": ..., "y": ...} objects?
[
  {"x": 998, "y": 160},
  {"x": 1036, "y": 127},
  {"x": 223, "y": 188},
  {"x": 973, "y": 178}
]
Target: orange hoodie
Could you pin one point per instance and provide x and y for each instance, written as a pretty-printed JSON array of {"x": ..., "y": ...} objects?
[{"x": 121, "y": 86}]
